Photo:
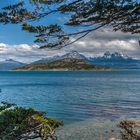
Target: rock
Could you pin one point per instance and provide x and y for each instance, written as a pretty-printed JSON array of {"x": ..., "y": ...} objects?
[{"x": 113, "y": 138}]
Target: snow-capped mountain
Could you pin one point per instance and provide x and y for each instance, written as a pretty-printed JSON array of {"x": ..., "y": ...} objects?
[
  {"x": 74, "y": 54},
  {"x": 70, "y": 61},
  {"x": 70, "y": 55},
  {"x": 116, "y": 60},
  {"x": 115, "y": 56},
  {"x": 10, "y": 64},
  {"x": 112, "y": 60}
]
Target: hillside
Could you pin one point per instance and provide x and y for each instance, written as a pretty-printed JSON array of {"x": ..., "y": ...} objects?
[
  {"x": 70, "y": 55},
  {"x": 64, "y": 64}
]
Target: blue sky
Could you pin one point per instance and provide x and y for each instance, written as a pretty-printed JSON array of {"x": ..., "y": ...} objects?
[
  {"x": 17, "y": 44},
  {"x": 12, "y": 34}
]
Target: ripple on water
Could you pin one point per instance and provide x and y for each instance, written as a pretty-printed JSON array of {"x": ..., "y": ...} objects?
[{"x": 75, "y": 96}]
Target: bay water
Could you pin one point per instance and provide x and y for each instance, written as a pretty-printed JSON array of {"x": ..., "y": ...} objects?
[{"x": 73, "y": 96}]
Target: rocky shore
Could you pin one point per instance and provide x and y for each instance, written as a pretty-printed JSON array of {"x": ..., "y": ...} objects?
[{"x": 100, "y": 130}]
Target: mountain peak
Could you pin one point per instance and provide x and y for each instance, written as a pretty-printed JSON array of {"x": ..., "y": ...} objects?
[
  {"x": 115, "y": 55},
  {"x": 74, "y": 54},
  {"x": 116, "y": 60},
  {"x": 107, "y": 54},
  {"x": 12, "y": 61},
  {"x": 9, "y": 59},
  {"x": 70, "y": 55},
  {"x": 9, "y": 64}
]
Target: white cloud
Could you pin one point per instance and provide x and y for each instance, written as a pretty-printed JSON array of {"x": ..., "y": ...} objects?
[
  {"x": 103, "y": 40},
  {"x": 94, "y": 44},
  {"x": 25, "y": 53}
]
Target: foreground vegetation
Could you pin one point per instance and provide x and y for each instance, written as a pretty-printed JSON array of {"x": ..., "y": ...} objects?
[
  {"x": 20, "y": 123},
  {"x": 81, "y": 17}
]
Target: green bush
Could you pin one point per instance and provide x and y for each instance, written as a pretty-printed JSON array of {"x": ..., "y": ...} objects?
[{"x": 20, "y": 123}]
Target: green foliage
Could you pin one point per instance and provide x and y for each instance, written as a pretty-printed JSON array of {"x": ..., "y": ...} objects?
[
  {"x": 16, "y": 13},
  {"x": 21, "y": 123},
  {"x": 49, "y": 2},
  {"x": 45, "y": 34},
  {"x": 91, "y": 15},
  {"x": 122, "y": 15}
]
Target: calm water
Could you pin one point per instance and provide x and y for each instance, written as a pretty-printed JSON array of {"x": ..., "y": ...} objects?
[{"x": 75, "y": 96}]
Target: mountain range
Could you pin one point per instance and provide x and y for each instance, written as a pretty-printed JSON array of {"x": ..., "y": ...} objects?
[
  {"x": 115, "y": 60},
  {"x": 10, "y": 64},
  {"x": 75, "y": 61},
  {"x": 69, "y": 61},
  {"x": 71, "y": 55}
]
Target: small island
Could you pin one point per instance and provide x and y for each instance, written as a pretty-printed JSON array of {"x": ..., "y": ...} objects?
[
  {"x": 66, "y": 64},
  {"x": 72, "y": 61}
]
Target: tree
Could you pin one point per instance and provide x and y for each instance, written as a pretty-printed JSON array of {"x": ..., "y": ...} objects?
[
  {"x": 20, "y": 123},
  {"x": 86, "y": 15}
]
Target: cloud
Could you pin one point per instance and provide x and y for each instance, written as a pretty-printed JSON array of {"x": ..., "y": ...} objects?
[
  {"x": 26, "y": 53},
  {"x": 103, "y": 40},
  {"x": 94, "y": 44}
]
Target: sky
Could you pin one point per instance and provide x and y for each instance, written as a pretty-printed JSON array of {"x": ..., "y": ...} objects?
[{"x": 18, "y": 45}]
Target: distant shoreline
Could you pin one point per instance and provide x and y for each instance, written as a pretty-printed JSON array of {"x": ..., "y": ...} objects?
[
  {"x": 63, "y": 70},
  {"x": 109, "y": 69}
]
